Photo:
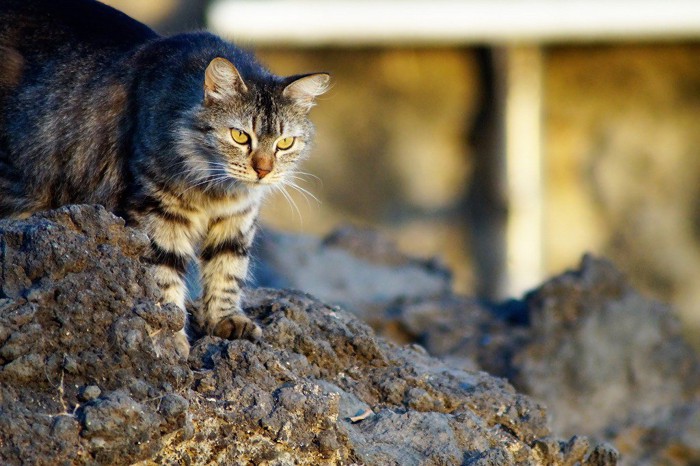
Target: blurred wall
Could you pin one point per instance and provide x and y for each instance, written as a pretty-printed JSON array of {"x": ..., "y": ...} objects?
[
  {"x": 623, "y": 164},
  {"x": 391, "y": 147},
  {"x": 622, "y": 156}
]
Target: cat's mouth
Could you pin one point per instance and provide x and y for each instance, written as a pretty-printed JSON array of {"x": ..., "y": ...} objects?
[
  {"x": 232, "y": 179},
  {"x": 250, "y": 181},
  {"x": 262, "y": 182}
]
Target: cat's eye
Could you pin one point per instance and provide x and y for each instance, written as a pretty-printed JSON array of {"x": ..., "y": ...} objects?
[
  {"x": 239, "y": 137},
  {"x": 285, "y": 143}
]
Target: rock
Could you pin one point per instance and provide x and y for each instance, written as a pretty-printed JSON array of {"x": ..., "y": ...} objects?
[
  {"x": 608, "y": 362},
  {"x": 89, "y": 374},
  {"x": 81, "y": 372},
  {"x": 288, "y": 399},
  {"x": 610, "y": 352},
  {"x": 464, "y": 332},
  {"x": 356, "y": 269},
  {"x": 667, "y": 436}
]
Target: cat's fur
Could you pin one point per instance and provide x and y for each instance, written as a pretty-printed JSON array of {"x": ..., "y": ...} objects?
[{"x": 97, "y": 108}]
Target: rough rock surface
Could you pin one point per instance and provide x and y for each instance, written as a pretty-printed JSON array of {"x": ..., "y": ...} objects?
[
  {"x": 292, "y": 396},
  {"x": 607, "y": 362},
  {"x": 606, "y": 348},
  {"x": 356, "y": 269},
  {"x": 89, "y": 375}
]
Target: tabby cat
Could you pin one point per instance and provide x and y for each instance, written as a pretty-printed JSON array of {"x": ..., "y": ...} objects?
[{"x": 182, "y": 136}]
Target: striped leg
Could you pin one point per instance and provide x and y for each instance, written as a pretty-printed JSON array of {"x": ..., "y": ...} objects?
[
  {"x": 224, "y": 261},
  {"x": 170, "y": 273},
  {"x": 172, "y": 247}
]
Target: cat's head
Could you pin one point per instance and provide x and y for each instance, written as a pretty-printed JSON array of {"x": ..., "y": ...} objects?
[{"x": 257, "y": 130}]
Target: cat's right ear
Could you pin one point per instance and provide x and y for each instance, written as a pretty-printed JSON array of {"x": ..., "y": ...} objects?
[
  {"x": 303, "y": 89},
  {"x": 221, "y": 80}
]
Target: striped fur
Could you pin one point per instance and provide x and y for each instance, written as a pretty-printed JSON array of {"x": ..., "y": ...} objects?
[{"x": 144, "y": 125}]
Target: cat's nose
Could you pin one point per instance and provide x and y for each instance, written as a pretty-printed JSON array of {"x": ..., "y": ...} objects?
[
  {"x": 262, "y": 163},
  {"x": 262, "y": 173}
]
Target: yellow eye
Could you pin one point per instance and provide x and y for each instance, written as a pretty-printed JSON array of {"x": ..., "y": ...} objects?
[
  {"x": 285, "y": 143},
  {"x": 239, "y": 137}
]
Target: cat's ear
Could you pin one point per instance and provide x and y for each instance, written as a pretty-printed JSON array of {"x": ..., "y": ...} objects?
[
  {"x": 304, "y": 89},
  {"x": 222, "y": 79}
]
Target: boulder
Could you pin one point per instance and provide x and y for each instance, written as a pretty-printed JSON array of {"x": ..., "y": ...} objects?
[
  {"x": 321, "y": 388},
  {"x": 610, "y": 352},
  {"x": 355, "y": 268},
  {"x": 89, "y": 374},
  {"x": 607, "y": 361}
]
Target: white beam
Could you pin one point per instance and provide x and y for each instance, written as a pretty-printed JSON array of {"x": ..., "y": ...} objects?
[
  {"x": 450, "y": 22},
  {"x": 524, "y": 166}
]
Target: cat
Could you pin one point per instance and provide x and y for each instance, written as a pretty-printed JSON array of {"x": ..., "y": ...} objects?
[{"x": 182, "y": 136}]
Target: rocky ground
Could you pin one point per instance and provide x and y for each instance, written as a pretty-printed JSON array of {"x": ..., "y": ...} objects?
[
  {"x": 607, "y": 362},
  {"x": 89, "y": 374}
]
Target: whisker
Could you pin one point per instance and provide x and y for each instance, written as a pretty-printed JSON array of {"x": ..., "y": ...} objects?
[
  {"x": 211, "y": 179},
  {"x": 206, "y": 173},
  {"x": 295, "y": 177},
  {"x": 290, "y": 200},
  {"x": 306, "y": 193},
  {"x": 211, "y": 168},
  {"x": 299, "y": 172}
]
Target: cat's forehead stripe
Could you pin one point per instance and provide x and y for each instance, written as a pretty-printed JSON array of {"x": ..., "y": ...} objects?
[{"x": 268, "y": 109}]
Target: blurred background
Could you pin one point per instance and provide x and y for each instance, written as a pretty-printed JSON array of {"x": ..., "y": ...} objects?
[{"x": 506, "y": 138}]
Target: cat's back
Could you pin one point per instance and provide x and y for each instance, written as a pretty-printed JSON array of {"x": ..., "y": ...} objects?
[
  {"x": 64, "y": 98},
  {"x": 44, "y": 27}
]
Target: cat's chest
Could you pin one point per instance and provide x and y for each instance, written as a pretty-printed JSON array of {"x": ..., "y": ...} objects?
[{"x": 208, "y": 211}]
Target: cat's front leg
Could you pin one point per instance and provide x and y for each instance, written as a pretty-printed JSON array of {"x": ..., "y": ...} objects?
[
  {"x": 224, "y": 263},
  {"x": 172, "y": 236}
]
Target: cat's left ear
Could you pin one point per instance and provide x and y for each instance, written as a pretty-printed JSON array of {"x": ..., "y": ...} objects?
[
  {"x": 222, "y": 79},
  {"x": 305, "y": 88}
]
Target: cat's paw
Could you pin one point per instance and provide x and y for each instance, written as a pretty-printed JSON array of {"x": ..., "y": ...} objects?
[
  {"x": 237, "y": 326},
  {"x": 182, "y": 345}
]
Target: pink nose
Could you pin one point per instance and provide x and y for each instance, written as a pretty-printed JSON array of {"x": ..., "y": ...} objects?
[
  {"x": 262, "y": 163},
  {"x": 262, "y": 173}
]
